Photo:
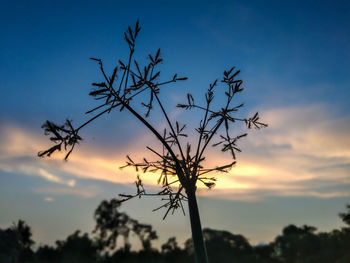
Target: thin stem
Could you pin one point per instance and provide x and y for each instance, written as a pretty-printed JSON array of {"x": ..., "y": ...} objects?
[
  {"x": 95, "y": 117},
  {"x": 200, "y": 139},
  {"x": 142, "y": 90},
  {"x": 160, "y": 138},
  {"x": 166, "y": 117},
  {"x": 170, "y": 125},
  {"x": 202, "y": 108},
  {"x": 128, "y": 70},
  {"x": 209, "y": 139},
  {"x": 197, "y": 235}
]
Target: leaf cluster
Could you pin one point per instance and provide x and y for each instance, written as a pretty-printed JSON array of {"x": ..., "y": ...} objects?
[{"x": 62, "y": 135}]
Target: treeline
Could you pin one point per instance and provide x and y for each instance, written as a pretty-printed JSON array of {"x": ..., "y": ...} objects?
[{"x": 295, "y": 244}]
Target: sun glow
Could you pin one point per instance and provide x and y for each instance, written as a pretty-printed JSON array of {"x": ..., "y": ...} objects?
[{"x": 293, "y": 171}]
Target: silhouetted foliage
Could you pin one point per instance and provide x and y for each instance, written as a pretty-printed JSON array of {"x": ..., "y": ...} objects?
[
  {"x": 24, "y": 234},
  {"x": 47, "y": 254},
  {"x": 77, "y": 248},
  {"x": 295, "y": 244},
  {"x": 16, "y": 243},
  {"x": 180, "y": 167},
  {"x": 172, "y": 253},
  {"x": 170, "y": 245},
  {"x": 346, "y": 216},
  {"x": 9, "y": 246},
  {"x": 264, "y": 253},
  {"x": 110, "y": 224},
  {"x": 145, "y": 233},
  {"x": 223, "y": 246}
]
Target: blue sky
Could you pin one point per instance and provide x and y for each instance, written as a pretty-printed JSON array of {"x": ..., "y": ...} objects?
[{"x": 295, "y": 62}]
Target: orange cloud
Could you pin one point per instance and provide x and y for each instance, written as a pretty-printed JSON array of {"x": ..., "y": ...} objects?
[{"x": 301, "y": 147}]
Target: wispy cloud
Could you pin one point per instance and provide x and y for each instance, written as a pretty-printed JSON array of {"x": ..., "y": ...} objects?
[
  {"x": 86, "y": 192},
  {"x": 41, "y": 172},
  {"x": 304, "y": 152},
  {"x": 48, "y": 199}
]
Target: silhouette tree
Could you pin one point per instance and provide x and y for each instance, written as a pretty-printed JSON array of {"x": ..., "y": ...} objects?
[
  {"x": 145, "y": 233},
  {"x": 346, "y": 216},
  {"x": 264, "y": 253},
  {"x": 47, "y": 254},
  {"x": 297, "y": 243},
  {"x": 180, "y": 167},
  {"x": 224, "y": 246},
  {"x": 110, "y": 224},
  {"x": 24, "y": 234},
  {"x": 16, "y": 242},
  {"x": 170, "y": 245},
  {"x": 9, "y": 247},
  {"x": 172, "y": 252},
  {"x": 77, "y": 248}
]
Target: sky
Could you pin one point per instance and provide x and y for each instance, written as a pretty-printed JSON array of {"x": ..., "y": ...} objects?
[{"x": 294, "y": 58}]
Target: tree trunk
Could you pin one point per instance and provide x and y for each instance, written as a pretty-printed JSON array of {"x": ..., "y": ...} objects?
[{"x": 200, "y": 251}]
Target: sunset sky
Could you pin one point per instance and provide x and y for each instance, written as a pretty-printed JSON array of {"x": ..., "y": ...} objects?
[{"x": 294, "y": 58}]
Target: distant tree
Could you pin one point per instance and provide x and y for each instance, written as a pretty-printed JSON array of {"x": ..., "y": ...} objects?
[
  {"x": 77, "y": 248},
  {"x": 334, "y": 247},
  {"x": 346, "y": 216},
  {"x": 9, "y": 246},
  {"x": 24, "y": 234},
  {"x": 170, "y": 245},
  {"x": 224, "y": 246},
  {"x": 264, "y": 253},
  {"x": 173, "y": 253},
  {"x": 110, "y": 224},
  {"x": 47, "y": 254},
  {"x": 145, "y": 233},
  {"x": 181, "y": 167},
  {"x": 297, "y": 244},
  {"x": 16, "y": 242}
]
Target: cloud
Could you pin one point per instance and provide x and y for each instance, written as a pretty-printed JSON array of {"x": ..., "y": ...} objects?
[
  {"x": 305, "y": 151},
  {"x": 310, "y": 130},
  {"x": 48, "y": 199},
  {"x": 17, "y": 156},
  {"x": 41, "y": 172},
  {"x": 86, "y": 192}
]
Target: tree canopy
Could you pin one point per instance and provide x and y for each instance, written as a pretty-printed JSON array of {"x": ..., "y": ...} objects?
[{"x": 302, "y": 244}]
